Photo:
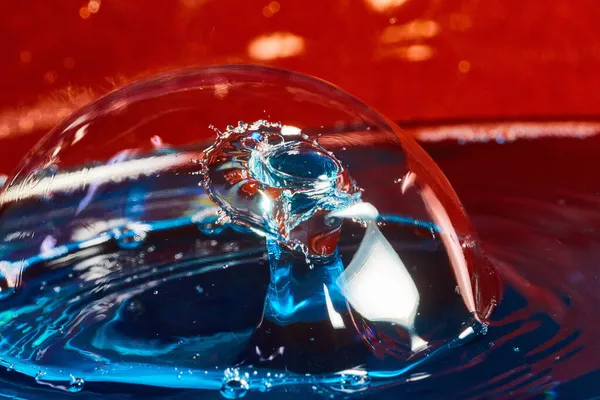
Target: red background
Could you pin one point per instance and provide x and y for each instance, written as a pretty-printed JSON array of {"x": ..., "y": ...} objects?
[
  {"x": 410, "y": 59},
  {"x": 461, "y": 59}
]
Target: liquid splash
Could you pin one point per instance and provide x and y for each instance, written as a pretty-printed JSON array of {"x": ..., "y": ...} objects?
[{"x": 259, "y": 263}]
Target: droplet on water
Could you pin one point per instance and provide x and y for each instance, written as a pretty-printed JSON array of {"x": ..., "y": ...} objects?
[
  {"x": 76, "y": 385},
  {"x": 355, "y": 380},
  {"x": 234, "y": 388}
]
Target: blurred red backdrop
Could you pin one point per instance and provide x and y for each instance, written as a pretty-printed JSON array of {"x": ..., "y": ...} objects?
[
  {"x": 410, "y": 59},
  {"x": 423, "y": 60}
]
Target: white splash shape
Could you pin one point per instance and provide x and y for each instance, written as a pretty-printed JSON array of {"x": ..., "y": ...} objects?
[{"x": 376, "y": 282}]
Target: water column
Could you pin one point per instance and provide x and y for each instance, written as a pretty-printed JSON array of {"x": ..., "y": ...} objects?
[{"x": 285, "y": 186}]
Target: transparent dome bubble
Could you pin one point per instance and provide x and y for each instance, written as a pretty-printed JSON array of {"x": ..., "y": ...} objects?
[{"x": 236, "y": 229}]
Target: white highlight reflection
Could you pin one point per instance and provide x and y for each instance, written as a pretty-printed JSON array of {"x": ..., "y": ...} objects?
[
  {"x": 288, "y": 130},
  {"x": 336, "y": 319},
  {"x": 64, "y": 182},
  {"x": 452, "y": 244},
  {"x": 276, "y": 45},
  {"x": 376, "y": 282}
]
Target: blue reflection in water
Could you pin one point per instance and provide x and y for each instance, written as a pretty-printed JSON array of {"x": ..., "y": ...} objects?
[{"x": 122, "y": 304}]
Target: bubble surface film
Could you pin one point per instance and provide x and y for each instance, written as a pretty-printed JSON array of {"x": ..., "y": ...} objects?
[{"x": 234, "y": 231}]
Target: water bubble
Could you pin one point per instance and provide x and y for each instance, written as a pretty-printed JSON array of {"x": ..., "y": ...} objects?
[
  {"x": 255, "y": 235},
  {"x": 234, "y": 388},
  {"x": 76, "y": 385},
  {"x": 355, "y": 380}
]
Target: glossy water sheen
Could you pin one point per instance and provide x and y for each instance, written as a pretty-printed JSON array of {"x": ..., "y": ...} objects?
[
  {"x": 539, "y": 329},
  {"x": 274, "y": 258}
]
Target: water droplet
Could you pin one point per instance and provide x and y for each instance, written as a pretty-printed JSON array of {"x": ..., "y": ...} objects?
[
  {"x": 516, "y": 349},
  {"x": 199, "y": 289},
  {"x": 76, "y": 385},
  {"x": 234, "y": 388},
  {"x": 355, "y": 380}
]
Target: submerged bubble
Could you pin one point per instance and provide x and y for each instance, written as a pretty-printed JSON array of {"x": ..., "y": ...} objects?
[{"x": 252, "y": 255}]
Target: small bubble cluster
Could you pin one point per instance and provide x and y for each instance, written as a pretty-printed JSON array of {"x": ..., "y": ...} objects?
[{"x": 235, "y": 385}]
